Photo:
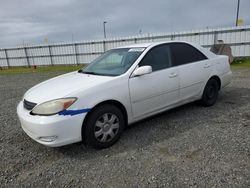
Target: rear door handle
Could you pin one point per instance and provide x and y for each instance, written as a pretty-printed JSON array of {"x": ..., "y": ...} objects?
[{"x": 173, "y": 74}]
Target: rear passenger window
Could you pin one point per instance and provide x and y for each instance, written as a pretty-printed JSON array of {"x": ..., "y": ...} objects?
[
  {"x": 184, "y": 53},
  {"x": 158, "y": 58}
]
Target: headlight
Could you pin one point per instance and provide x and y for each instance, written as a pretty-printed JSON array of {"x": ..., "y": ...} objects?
[{"x": 53, "y": 107}]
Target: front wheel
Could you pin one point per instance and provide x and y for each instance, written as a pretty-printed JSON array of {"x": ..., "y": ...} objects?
[
  {"x": 104, "y": 126},
  {"x": 210, "y": 93}
]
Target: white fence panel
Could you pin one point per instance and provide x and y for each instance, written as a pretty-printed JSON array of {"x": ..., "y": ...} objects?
[
  {"x": 16, "y": 53},
  {"x": 3, "y": 63},
  {"x": 40, "y": 61},
  {"x": 84, "y": 52},
  {"x": 2, "y": 54},
  {"x": 18, "y": 62},
  {"x": 42, "y": 51}
]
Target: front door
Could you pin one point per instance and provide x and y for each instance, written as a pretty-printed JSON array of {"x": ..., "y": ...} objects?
[{"x": 155, "y": 91}]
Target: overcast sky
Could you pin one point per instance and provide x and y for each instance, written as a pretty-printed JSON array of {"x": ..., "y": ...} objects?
[{"x": 35, "y": 21}]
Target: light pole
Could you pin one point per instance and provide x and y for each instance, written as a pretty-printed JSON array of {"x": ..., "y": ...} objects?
[
  {"x": 237, "y": 15},
  {"x": 104, "y": 29}
]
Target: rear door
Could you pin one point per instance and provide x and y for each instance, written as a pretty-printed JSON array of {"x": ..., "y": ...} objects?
[
  {"x": 152, "y": 92},
  {"x": 194, "y": 69}
]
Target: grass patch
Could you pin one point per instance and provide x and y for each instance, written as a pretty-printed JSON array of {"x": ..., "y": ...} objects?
[
  {"x": 237, "y": 63},
  {"x": 57, "y": 68},
  {"x": 241, "y": 63}
]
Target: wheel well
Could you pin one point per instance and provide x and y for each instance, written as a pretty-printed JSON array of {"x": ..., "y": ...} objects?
[
  {"x": 113, "y": 102},
  {"x": 217, "y": 79}
]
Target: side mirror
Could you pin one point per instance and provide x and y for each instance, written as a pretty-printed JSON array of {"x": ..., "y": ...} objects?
[{"x": 142, "y": 70}]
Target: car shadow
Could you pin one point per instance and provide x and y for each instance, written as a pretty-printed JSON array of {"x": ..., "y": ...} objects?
[{"x": 140, "y": 134}]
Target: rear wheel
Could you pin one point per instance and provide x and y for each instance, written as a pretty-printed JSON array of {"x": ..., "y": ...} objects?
[
  {"x": 210, "y": 93},
  {"x": 104, "y": 126}
]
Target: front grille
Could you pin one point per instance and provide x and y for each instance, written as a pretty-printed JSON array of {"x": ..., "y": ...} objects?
[{"x": 28, "y": 105}]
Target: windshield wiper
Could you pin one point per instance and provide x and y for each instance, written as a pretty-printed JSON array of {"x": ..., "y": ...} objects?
[
  {"x": 88, "y": 72},
  {"x": 95, "y": 73}
]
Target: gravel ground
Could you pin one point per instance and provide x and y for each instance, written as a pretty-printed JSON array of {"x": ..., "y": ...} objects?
[{"x": 190, "y": 146}]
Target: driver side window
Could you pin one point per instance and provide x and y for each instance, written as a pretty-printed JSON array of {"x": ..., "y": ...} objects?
[{"x": 158, "y": 58}]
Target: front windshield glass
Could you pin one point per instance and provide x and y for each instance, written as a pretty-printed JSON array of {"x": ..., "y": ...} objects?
[{"x": 113, "y": 62}]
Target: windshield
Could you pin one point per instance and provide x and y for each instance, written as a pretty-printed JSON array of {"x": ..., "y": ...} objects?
[{"x": 113, "y": 62}]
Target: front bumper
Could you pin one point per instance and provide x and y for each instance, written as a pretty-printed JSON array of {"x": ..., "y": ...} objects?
[{"x": 56, "y": 130}]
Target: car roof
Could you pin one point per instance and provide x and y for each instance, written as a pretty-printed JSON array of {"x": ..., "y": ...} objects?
[
  {"x": 150, "y": 44},
  {"x": 139, "y": 45}
]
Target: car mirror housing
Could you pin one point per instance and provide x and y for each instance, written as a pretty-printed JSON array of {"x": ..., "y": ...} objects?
[{"x": 142, "y": 71}]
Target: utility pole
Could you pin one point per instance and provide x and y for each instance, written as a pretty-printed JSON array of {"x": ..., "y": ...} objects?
[
  {"x": 104, "y": 29},
  {"x": 237, "y": 14}
]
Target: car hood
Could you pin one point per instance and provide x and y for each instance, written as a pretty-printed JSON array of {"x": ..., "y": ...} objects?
[{"x": 63, "y": 86}]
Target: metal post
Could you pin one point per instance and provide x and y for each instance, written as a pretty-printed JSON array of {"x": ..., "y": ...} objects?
[
  {"x": 237, "y": 14},
  {"x": 104, "y": 29},
  {"x": 7, "y": 58},
  {"x": 26, "y": 55},
  {"x": 76, "y": 53},
  {"x": 50, "y": 55},
  {"x": 104, "y": 46},
  {"x": 215, "y": 37}
]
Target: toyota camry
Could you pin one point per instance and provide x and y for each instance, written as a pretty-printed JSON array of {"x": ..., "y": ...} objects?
[{"x": 122, "y": 86}]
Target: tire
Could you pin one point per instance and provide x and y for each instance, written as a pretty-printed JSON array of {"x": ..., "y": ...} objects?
[
  {"x": 210, "y": 93},
  {"x": 103, "y": 127}
]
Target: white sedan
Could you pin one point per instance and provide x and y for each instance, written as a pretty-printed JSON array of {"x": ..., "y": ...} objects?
[{"x": 122, "y": 86}]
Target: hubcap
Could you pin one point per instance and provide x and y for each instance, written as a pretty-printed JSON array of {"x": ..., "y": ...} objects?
[{"x": 106, "y": 127}]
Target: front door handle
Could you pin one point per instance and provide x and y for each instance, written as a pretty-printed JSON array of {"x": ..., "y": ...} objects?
[{"x": 173, "y": 74}]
